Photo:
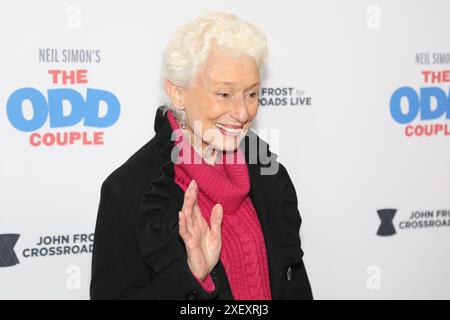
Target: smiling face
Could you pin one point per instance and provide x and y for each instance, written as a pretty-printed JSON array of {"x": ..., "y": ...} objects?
[{"x": 222, "y": 100}]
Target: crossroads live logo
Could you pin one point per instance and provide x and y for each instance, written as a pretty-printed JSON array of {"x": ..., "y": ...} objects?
[
  {"x": 284, "y": 96},
  {"x": 69, "y": 111},
  {"x": 425, "y": 111},
  {"x": 45, "y": 246},
  {"x": 8, "y": 257},
  {"x": 417, "y": 219}
]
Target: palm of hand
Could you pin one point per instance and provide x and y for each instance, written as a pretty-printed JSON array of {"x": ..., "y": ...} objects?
[{"x": 203, "y": 243}]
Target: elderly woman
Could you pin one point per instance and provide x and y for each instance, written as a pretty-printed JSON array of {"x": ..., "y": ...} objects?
[{"x": 193, "y": 214}]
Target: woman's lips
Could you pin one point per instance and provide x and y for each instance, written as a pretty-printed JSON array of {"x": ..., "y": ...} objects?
[
  {"x": 229, "y": 129},
  {"x": 231, "y": 126}
]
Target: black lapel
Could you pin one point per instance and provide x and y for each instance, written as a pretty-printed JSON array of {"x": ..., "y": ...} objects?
[
  {"x": 264, "y": 194},
  {"x": 165, "y": 146}
]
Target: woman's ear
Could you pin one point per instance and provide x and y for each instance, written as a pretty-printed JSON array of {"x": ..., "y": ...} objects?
[{"x": 174, "y": 92}]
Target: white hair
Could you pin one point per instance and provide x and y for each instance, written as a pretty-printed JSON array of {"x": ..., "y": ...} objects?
[{"x": 191, "y": 43}]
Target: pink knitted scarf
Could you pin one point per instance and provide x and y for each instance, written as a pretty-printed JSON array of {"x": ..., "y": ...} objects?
[{"x": 243, "y": 253}]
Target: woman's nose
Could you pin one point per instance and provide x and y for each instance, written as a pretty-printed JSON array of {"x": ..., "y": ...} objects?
[{"x": 240, "y": 111}]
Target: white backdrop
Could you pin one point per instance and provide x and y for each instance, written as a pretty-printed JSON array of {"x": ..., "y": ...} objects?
[{"x": 347, "y": 154}]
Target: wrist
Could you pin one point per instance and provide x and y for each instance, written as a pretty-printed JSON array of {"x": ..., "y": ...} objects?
[{"x": 199, "y": 275}]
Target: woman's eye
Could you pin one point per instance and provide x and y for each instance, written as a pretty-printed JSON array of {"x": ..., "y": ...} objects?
[
  {"x": 253, "y": 94},
  {"x": 225, "y": 95}
]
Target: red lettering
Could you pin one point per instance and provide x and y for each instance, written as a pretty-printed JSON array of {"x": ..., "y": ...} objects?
[
  {"x": 66, "y": 138},
  {"x": 74, "y": 136},
  {"x": 409, "y": 130},
  {"x": 69, "y": 76},
  {"x": 427, "y": 130},
  {"x": 33, "y": 139},
  {"x": 98, "y": 137},
  {"x": 436, "y": 76}
]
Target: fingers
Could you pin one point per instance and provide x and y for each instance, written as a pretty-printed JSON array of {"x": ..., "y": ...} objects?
[
  {"x": 191, "y": 218},
  {"x": 216, "y": 220},
  {"x": 190, "y": 196},
  {"x": 196, "y": 213},
  {"x": 188, "y": 199},
  {"x": 182, "y": 225}
]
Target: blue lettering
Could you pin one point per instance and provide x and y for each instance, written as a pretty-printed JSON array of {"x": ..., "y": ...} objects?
[
  {"x": 442, "y": 103},
  {"x": 422, "y": 104},
  {"x": 55, "y": 103},
  {"x": 15, "y": 112},
  {"x": 79, "y": 108},
  {"x": 91, "y": 118},
  {"x": 413, "y": 105}
]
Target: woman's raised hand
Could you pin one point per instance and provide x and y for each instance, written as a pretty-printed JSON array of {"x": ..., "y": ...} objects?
[{"x": 203, "y": 243}]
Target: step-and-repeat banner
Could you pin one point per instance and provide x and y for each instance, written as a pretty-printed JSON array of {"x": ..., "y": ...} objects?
[{"x": 355, "y": 101}]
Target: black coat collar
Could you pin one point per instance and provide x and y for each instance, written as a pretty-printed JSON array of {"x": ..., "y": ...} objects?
[{"x": 266, "y": 192}]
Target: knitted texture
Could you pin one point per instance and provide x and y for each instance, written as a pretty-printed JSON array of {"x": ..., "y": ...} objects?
[{"x": 243, "y": 252}]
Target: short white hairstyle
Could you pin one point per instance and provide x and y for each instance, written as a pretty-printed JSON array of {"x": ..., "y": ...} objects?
[{"x": 190, "y": 45}]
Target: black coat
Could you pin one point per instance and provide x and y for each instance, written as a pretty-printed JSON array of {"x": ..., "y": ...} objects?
[{"x": 138, "y": 253}]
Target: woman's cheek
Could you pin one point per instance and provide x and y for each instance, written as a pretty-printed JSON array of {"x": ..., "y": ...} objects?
[
  {"x": 215, "y": 110},
  {"x": 252, "y": 112}
]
